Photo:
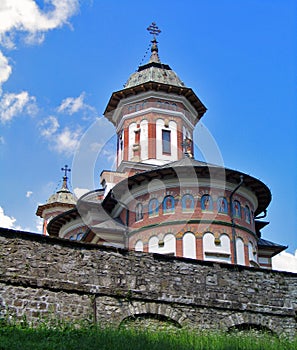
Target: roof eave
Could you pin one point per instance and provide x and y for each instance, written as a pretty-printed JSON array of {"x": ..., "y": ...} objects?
[{"x": 155, "y": 86}]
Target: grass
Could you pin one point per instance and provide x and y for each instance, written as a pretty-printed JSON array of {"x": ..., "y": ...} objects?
[{"x": 69, "y": 337}]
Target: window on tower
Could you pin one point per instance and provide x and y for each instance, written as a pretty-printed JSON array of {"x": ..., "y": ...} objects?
[{"x": 166, "y": 144}]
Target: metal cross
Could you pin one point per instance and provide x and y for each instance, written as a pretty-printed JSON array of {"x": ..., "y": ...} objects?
[
  {"x": 65, "y": 169},
  {"x": 153, "y": 29}
]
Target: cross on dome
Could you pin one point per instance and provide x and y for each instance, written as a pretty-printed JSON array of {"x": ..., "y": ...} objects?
[
  {"x": 65, "y": 178},
  {"x": 65, "y": 169},
  {"x": 154, "y": 29}
]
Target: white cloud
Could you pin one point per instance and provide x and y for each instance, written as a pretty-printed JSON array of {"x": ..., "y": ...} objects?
[
  {"x": 12, "y": 105},
  {"x": 71, "y": 105},
  {"x": 2, "y": 140},
  {"x": 5, "y": 69},
  {"x": 28, "y": 194},
  {"x": 80, "y": 191},
  {"x": 285, "y": 262},
  {"x": 66, "y": 141},
  {"x": 6, "y": 221},
  {"x": 25, "y": 16},
  {"x": 49, "y": 126}
]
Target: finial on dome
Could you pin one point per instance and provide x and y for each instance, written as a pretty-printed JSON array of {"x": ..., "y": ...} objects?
[
  {"x": 65, "y": 178},
  {"x": 154, "y": 30}
]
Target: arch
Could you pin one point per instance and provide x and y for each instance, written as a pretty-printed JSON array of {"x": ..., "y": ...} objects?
[
  {"x": 251, "y": 327},
  {"x": 245, "y": 321},
  {"x": 131, "y": 108},
  {"x": 154, "y": 322},
  {"x": 165, "y": 246},
  {"x": 252, "y": 254},
  {"x": 80, "y": 236},
  {"x": 144, "y": 139},
  {"x": 169, "y": 244},
  {"x": 188, "y": 203},
  {"x": 153, "y": 207},
  {"x": 247, "y": 214},
  {"x": 120, "y": 146},
  {"x": 206, "y": 202},
  {"x": 216, "y": 249},
  {"x": 240, "y": 251},
  {"x": 153, "y": 244},
  {"x": 139, "y": 246},
  {"x": 189, "y": 245},
  {"x": 131, "y": 139},
  {"x": 166, "y": 140},
  {"x": 236, "y": 209},
  {"x": 139, "y": 212},
  {"x": 222, "y": 205},
  {"x": 168, "y": 205}
]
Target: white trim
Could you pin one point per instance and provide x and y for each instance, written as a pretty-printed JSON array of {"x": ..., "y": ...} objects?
[{"x": 144, "y": 112}]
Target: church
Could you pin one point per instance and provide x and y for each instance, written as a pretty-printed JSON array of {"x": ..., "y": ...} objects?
[{"x": 160, "y": 199}]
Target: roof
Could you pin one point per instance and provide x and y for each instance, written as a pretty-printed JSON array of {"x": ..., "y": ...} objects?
[
  {"x": 182, "y": 168},
  {"x": 154, "y": 70},
  {"x": 155, "y": 76},
  {"x": 274, "y": 248},
  {"x": 62, "y": 198}
]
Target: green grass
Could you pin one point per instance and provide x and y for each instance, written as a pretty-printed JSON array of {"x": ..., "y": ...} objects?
[{"x": 68, "y": 337}]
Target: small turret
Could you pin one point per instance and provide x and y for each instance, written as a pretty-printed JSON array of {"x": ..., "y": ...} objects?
[{"x": 59, "y": 202}]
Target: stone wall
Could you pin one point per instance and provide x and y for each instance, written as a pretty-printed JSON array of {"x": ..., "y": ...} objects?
[{"x": 43, "y": 277}]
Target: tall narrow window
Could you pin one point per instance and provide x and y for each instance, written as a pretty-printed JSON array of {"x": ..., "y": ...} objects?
[{"x": 166, "y": 146}]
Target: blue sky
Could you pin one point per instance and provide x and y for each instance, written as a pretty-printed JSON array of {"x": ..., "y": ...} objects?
[{"x": 61, "y": 60}]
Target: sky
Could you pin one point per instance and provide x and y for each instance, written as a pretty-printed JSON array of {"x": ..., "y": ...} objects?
[{"x": 60, "y": 61}]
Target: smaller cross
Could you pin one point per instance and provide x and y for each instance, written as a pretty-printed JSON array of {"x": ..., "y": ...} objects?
[
  {"x": 154, "y": 29},
  {"x": 65, "y": 169}
]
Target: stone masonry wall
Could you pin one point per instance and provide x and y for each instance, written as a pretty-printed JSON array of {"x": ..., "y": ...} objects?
[{"x": 43, "y": 277}]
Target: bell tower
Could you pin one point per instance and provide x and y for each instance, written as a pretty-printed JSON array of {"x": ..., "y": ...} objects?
[{"x": 154, "y": 115}]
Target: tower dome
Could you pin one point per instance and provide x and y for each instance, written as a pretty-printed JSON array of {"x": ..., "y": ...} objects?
[
  {"x": 58, "y": 203},
  {"x": 154, "y": 116},
  {"x": 154, "y": 71}
]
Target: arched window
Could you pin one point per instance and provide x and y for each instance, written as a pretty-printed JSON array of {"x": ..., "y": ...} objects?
[
  {"x": 79, "y": 236},
  {"x": 187, "y": 203},
  {"x": 240, "y": 251},
  {"x": 252, "y": 254},
  {"x": 236, "y": 209},
  {"x": 153, "y": 207},
  {"x": 216, "y": 249},
  {"x": 153, "y": 245},
  {"x": 168, "y": 205},
  {"x": 222, "y": 205},
  {"x": 138, "y": 212},
  {"x": 174, "y": 106},
  {"x": 206, "y": 202},
  {"x": 166, "y": 246},
  {"x": 247, "y": 214},
  {"x": 189, "y": 245},
  {"x": 169, "y": 244},
  {"x": 139, "y": 246},
  {"x": 131, "y": 109}
]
